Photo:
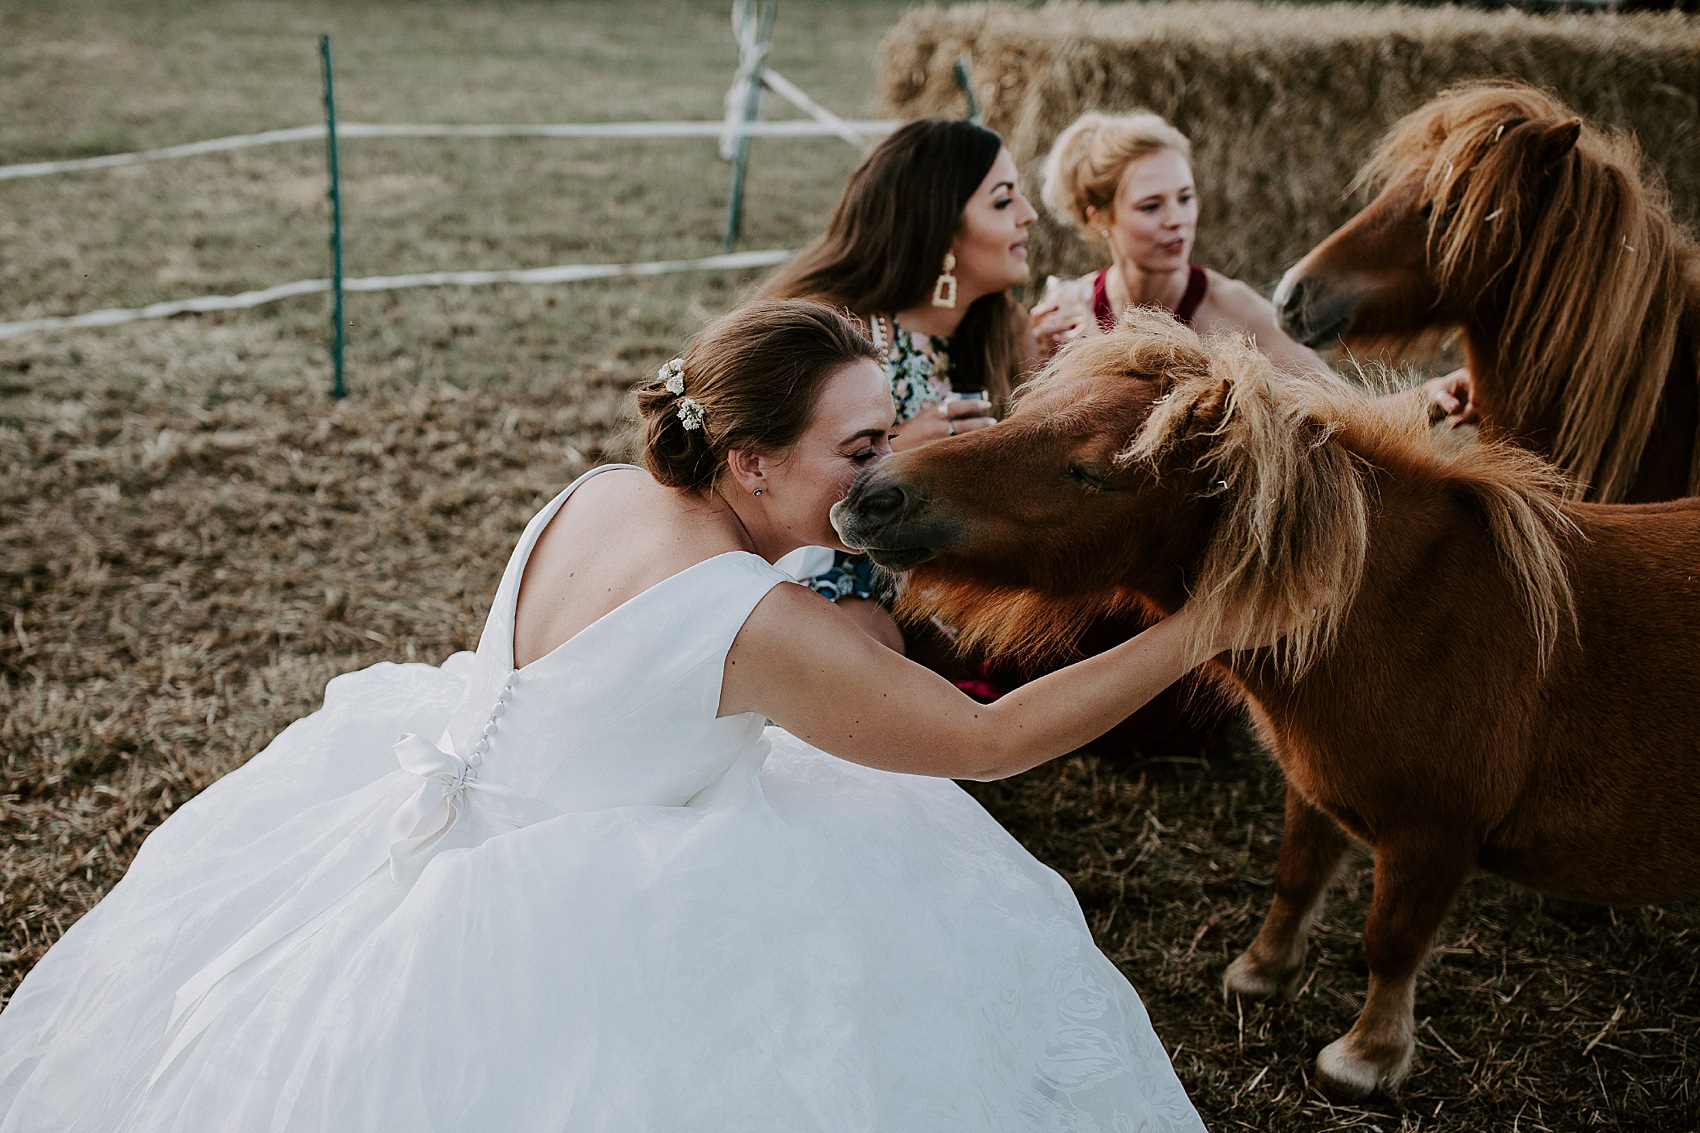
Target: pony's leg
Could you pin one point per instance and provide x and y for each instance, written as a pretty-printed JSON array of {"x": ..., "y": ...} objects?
[
  {"x": 1312, "y": 845},
  {"x": 1415, "y": 885}
]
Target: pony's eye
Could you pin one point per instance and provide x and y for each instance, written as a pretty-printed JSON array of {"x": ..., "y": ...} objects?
[{"x": 1087, "y": 478}]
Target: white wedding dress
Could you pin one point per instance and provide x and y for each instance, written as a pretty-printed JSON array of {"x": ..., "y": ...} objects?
[{"x": 584, "y": 902}]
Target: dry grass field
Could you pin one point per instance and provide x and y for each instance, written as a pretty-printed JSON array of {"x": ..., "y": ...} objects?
[{"x": 193, "y": 537}]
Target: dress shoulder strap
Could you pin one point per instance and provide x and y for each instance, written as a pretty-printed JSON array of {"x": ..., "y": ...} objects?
[
  {"x": 1197, "y": 285},
  {"x": 499, "y": 626},
  {"x": 1101, "y": 309}
]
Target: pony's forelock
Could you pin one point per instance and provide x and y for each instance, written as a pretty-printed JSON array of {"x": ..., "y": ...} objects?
[{"x": 1292, "y": 534}]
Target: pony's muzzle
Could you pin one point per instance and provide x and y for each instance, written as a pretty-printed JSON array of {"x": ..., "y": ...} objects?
[
  {"x": 874, "y": 504},
  {"x": 882, "y": 505},
  {"x": 1311, "y": 312},
  {"x": 883, "y": 517}
]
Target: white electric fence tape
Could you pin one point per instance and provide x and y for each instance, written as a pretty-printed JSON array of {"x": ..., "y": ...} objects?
[
  {"x": 836, "y": 127},
  {"x": 852, "y": 132},
  {"x": 563, "y": 273}
]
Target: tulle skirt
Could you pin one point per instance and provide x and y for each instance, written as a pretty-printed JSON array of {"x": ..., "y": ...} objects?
[{"x": 808, "y": 945}]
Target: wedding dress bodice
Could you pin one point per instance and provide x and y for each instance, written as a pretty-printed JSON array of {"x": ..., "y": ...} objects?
[{"x": 585, "y": 726}]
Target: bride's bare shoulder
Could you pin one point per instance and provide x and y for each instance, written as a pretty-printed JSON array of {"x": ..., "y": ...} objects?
[
  {"x": 618, "y": 534},
  {"x": 619, "y": 507},
  {"x": 624, "y": 514},
  {"x": 616, "y": 488}
]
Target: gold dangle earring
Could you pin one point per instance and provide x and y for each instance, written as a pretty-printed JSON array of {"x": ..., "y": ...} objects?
[{"x": 944, "y": 290}]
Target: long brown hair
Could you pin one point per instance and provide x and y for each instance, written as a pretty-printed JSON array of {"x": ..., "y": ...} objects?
[{"x": 882, "y": 249}]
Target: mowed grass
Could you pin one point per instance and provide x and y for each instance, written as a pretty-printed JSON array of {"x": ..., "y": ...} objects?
[{"x": 194, "y": 538}]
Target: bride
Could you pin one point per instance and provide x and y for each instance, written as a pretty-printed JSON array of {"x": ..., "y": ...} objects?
[{"x": 588, "y": 889}]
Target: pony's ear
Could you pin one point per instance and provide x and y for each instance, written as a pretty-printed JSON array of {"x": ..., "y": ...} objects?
[
  {"x": 1555, "y": 142},
  {"x": 1208, "y": 410}
]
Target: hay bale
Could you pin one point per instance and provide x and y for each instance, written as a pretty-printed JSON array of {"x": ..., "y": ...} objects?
[{"x": 1283, "y": 103}]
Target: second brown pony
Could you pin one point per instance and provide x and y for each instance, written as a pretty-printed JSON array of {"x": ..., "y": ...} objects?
[
  {"x": 1482, "y": 674},
  {"x": 1504, "y": 216}
]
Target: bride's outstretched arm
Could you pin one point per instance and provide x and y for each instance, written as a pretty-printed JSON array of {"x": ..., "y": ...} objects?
[{"x": 806, "y": 667}]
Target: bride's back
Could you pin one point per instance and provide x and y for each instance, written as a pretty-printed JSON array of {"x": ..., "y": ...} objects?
[{"x": 618, "y": 535}]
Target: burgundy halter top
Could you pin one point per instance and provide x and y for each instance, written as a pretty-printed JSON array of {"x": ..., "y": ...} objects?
[{"x": 1197, "y": 283}]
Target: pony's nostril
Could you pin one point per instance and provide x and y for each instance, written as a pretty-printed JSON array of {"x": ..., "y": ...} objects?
[
  {"x": 1293, "y": 301},
  {"x": 1293, "y": 306},
  {"x": 883, "y": 504}
]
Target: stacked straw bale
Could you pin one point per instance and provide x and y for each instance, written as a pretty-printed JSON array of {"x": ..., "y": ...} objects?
[{"x": 1283, "y": 103}]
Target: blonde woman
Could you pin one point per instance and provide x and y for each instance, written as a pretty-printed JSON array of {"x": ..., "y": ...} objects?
[{"x": 1126, "y": 179}]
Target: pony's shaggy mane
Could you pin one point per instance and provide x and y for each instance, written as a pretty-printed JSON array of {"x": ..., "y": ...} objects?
[
  {"x": 1019, "y": 627},
  {"x": 1290, "y": 462},
  {"x": 1596, "y": 219}
]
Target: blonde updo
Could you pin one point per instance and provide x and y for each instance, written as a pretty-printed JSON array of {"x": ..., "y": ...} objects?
[
  {"x": 1086, "y": 163},
  {"x": 752, "y": 378}
]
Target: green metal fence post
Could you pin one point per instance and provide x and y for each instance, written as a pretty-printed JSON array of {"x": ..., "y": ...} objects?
[
  {"x": 338, "y": 389},
  {"x": 752, "y": 108},
  {"x": 963, "y": 81}
]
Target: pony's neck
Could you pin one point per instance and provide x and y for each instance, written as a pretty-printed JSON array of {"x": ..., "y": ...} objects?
[
  {"x": 1670, "y": 463},
  {"x": 1465, "y": 559},
  {"x": 1420, "y": 543},
  {"x": 1669, "y": 467},
  {"x": 1574, "y": 348},
  {"x": 1482, "y": 357}
]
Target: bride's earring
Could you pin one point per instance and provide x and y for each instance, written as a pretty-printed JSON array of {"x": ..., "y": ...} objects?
[
  {"x": 758, "y": 491},
  {"x": 944, "y": 290}
]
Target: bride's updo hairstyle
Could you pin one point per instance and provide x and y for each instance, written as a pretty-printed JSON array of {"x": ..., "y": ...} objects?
[
  {"x": 1085, "y": 166},
  {"x": 749, "y": 380}
]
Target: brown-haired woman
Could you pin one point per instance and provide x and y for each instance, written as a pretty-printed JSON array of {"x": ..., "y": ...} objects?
[
  {"x": 926, "y": 242},
  {"x": 590, "y": 890}
]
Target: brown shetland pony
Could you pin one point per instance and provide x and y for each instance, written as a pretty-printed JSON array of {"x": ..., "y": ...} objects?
[
  {"x": 1483, "y": 674},
  {"x": 1503, "y": 215}
]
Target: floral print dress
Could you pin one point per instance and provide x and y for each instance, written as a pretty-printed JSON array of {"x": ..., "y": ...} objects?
[{"x": 920, "y": 379}]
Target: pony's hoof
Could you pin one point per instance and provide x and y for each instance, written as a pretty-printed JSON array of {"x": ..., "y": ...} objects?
[
  {"x": 1245, "y": 976},
  {"x": 1347, "y": 1072}
]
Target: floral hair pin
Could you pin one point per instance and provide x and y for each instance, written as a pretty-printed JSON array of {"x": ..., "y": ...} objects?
[{"x": 672, "y": 377}]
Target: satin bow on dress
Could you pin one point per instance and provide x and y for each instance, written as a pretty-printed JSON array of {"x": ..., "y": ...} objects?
[{"x": 435, "y": 818}]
